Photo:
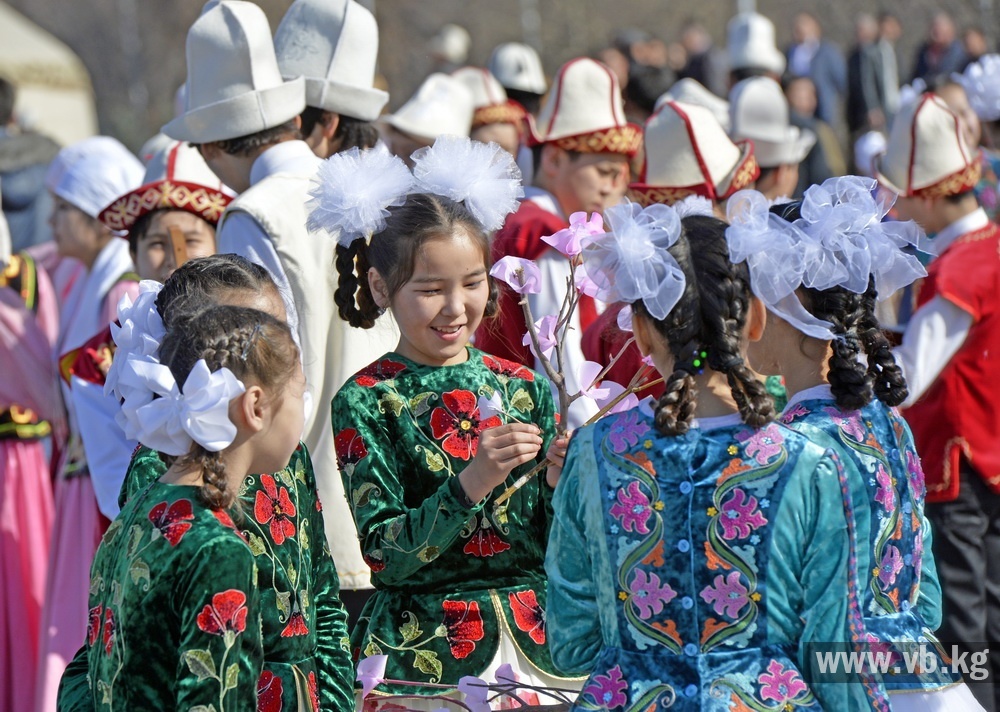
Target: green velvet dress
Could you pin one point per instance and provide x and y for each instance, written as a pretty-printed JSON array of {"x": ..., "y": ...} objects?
[
  {"x": 307, "y": 661},
  {"x": 450, "y": 579}
]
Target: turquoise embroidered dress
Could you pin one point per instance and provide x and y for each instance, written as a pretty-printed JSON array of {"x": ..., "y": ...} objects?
[
  {"x": 307, "y": 663},
  {"x": 694, "y": 571},
  {"x": 897, "y": 585},
  {"x": 447, "y": 577}
]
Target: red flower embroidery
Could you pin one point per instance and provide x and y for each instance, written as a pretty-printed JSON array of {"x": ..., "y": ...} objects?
[
  {"x": 377, "y": 372},
  {"x": 350, "y": 449},
  {"x": 511, "y": 369},
  {"x": 94, "y": 624},
  {"x": 274, "y": 506},
  {"x": 465, "y": 626},
  {"x": 459, "y": 425},
  {"x": 227, "y": 612},
  {"x": 269, "y": 689},
  {"x": 528, "y": 615},
  {"x": 227, "y": 521},
  {"x": 485, "y": 542},
  {"x": 313, "y": 692},
  {"x": 109, "y": 631},
  {"x": 173, "y": 521},
  {"x": 296, "y": 626},
  {"x": 375, "y": 563}
]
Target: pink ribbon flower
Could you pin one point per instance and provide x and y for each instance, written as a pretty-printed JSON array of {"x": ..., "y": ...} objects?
[
  {"x": 586, "y": 375},
  {"x": 546, "y": 328},
  {"x": 571, "y": 240},
  {"x": 522, "y": 275},
  {"x": 371, "y": 673}
]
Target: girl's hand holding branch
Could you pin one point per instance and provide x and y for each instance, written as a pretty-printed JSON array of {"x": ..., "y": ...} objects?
[{"x": 501, "y": 449}]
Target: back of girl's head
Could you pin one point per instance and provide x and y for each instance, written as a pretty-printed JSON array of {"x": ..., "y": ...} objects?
[
  {"x": 705, "y": 328},
  {"x": 393, "y": 253},
  {"x": 199, "y": 283},
  {"x": 255, "y": 346},
  {"x": 854, "y": 322}
]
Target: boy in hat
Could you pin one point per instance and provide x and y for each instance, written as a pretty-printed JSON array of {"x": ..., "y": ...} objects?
[{"x": 949, "y": 358}]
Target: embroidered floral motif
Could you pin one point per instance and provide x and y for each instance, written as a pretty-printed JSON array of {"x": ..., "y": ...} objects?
[
  {"x": 457, "y": 424},
  {"x": 626, "y": 431},
  {"x": 727, "y": 596},
  {"x": 740, "y": 515},
  {"x": 225, "y": 520},
  {"x": 648, "y": 594},
  {"x": 781, "y": 684},
  {"x": 762, "y": 444},
  {"x": 94, "y": 624},
  {"x": 226, "y": 613},
  {"x": 890, "y": 566},
  {"x": 916, "y": 472},
  {"x": 485, "y": 541},
  {"x": 848, "y": 422},
  {"x": 374, "y": 561},
  {"x": 313, "y": 692},
  {"x": 464, "y": 625},
  {"x": 384, "y": 370},
  {"x": 269, "y": 689},
  {"x": 607, "y": 691},
  {"x": 528, "y": 615},
  {"x": 171, "y": 521},
  {"x": 350, "y": 450},
  {"x": 796, "y": 411},
  {"x": 510, "y": 369},
  {"x": 296, "y": 626},
  {"x": 886, "y": 495},
  {"x": 108, "y": 634},
  {"x": 632, "y": 509},
  {"x": 273, "y": 506}
]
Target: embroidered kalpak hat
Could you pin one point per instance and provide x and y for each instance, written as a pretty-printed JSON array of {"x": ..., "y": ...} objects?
[
  {"x": 750, "y": 43},
  {"x": 517, "y": 66},
  {"x": 490, "y": 102},
  {"x": 177, "y": 178},
  {"x": 584, "y": 112},
  {"x": 334, "y": 45},
  {"x": 234, "y": 87},
  {"x": 759, "y": 111},
  {"x": 442, "y": 106},
  {"x": 691, "y": 91},
  {"x": 927, "y": 156},
  {"x": 688, "y": 153}
]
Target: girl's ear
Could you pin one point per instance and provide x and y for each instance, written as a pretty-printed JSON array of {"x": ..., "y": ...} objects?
[
  {"x": 640, "y": 329},
  {"x": 251, "y": 409},
  {"x": 756, "y": 320},
  {"x": 380, "y": 292}
]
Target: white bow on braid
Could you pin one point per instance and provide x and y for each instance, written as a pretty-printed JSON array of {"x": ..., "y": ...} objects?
[{"x": 137, "y": 334}]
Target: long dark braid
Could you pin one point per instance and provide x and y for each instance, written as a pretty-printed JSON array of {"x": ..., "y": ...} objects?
[{"x": 885, "y": 373}]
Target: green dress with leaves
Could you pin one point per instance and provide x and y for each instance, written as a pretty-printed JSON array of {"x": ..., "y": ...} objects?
[{"x": 448, "y": 576}]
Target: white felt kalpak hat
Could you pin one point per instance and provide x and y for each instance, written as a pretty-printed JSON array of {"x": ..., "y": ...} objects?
[
  {"x": 442, "y": 106},
  {"x": 489, "y": 100},
  {"x": 691, "y": 91},
  {"x": 927, "y": 156},
  {"x": 98, "y": 170},
  {"x": 584, "y": 112},
  {"x": 518, "y": 66},
  {"x": 233, "y": 85},
  {"x": 750, "y": 43},
  {"x": 758, "y": 110},
  {"x": 334, "y": 45},
  {"x": 688, "y": 153}
]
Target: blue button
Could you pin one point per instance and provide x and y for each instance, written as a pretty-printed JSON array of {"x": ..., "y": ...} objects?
[
  {"x": 691, "y": 690},
  {"x": 683, "y": 546},
  {"x": 686, "y": 488},
  {"x": 686, "y": 602},
  {"x": 691, "y": 649}
]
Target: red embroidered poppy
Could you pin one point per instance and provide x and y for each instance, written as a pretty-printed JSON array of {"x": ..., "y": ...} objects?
[
  {"x": 227, "y": 611},
  {"x": 528, "y": 615},
  {"x": 376, "y": 565},
  {"x": 296, "y": 626},
  {"x": 269, "y": 689},
  {"x": 109, "y": 631},
  {"x": 273, "y": 506},
  {"x": 485, "y": 542},
  {"x": 94, "y": 624},
  {"x": 227, "y": 521},
  {"x": 313, "y": 692},
  {"x": 350, "y": 448},
  {"x": 379, "y": 371},
  {"x": 464, "y": 624},
  {"x": 511, "y": 369},
  {"x": 172, "y": 521},
  {"x": 459, "y": 424}
]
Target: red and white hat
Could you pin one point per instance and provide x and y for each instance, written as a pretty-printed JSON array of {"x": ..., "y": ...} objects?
[
  {"x": 489, "y": 100},
  {"x": 689, "y": 153},
  {"x": 584, "y": 112},
  {"x": 177, "y": 178},
  {"x": 927, "y": 156}
]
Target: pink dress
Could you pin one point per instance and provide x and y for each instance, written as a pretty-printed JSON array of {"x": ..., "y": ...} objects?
[{"x": 28, "y": 393}]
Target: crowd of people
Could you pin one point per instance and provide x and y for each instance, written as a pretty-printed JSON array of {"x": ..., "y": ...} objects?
[{"x": 618, "y": 389}]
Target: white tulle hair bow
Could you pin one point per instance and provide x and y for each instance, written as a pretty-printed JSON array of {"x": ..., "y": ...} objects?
[
  {"x": 177, "y": 418},
  {"x": 630, "y": 262},
  {"x": 694, "y": 205},
  {"x": 981, "y": 81},
  {"x": 483, "y": 176},
  {"x": 137, "y": 334},
  {"x": 352, "y": 192}
]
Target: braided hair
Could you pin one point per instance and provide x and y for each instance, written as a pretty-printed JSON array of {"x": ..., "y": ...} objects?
[
  {"x": 253, "y": 345},
  {"x": 393, "y": 253},
  {"x": 706, "y": 327}
]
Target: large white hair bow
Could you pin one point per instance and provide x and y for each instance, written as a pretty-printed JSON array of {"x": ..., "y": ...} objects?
[
  {"x": 137, "y": 334},
  {"x": 631, "y": 262},
  {"x": 177, "y": 418},
  {"x": 981, "y": 81}
]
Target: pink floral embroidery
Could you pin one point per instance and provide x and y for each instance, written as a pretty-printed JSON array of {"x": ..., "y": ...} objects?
[
  {"x": 648, "y": 594},
  {"x": 632, "y": 509},
  {"x": 796, "y": 411},
  {"x": 916, "y": 472},
  {"x": 608, "y": 691},
  {"x": 726, "y": 596},
  {"x": 626, "y": 431},
  {"x": 847, "y": 421},
  {"x": 780, "y": 683},
  {"x": 762, "y": 444},
  {"x": 886, "y": 494},
  {"x": 890, "y": 566},
  {"x": 740, "y": 515}
]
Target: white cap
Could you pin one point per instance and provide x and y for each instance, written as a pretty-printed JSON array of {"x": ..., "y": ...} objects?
[
  {"x": 451, "y": 43},
  {"x": 517, "y": 66},
  {"x": 97, "y": 171},
  {"x": 750, "y": 38},
  {"x": 759, "y": 111},
  {"x": 489, "y": 100},
  {"x": 690, "y": 91},
  {"x": 334, "y": 45},
  {"x": 442, "y": 106},
  {"x": 233, "y": 85}
]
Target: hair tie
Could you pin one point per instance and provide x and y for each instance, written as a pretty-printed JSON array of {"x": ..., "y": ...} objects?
[{"x": 251, "y": 341}]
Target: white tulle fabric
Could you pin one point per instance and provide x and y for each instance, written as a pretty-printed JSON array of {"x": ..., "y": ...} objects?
[
  {"x": 137, "y": 335},
  {"x": 482, "y": 175},
  {"x": 981, "y": 81},
  {"x": 694, "y": 205},
  {"x": 631, "y": 263}
]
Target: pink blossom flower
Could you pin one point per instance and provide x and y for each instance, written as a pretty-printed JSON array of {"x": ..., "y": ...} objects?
[
  {"x": 890, "y": 566},
  {"x": 614, "y": 390},
  {"x": 624, "y": 318},
  {"x": 762, "y": 444},
  {"x": 632, "y": 509},
  {"x": 886, "y": 495},
  {"x": 371, "y": 673},
  {"x": 648, "y": 595},
  {"x": 522, "y": 275},
  {"x": 586, "y": 375},
  {"x": 727, "y": 596},
  {"x": 584, "y": 284},
  {"x": 626, "y": 431},
  {"x": 476, "y": 691},
  {"x": 848, "y": 421},
  {"x": 916, "y": 472},
  {"x": 780, "y": 683},
  {"x": 608, "y": 691},
  {"x": 546, "y": 328},
  {"x": 740, "y": 515},
  {"x": 570, "y": 241}
]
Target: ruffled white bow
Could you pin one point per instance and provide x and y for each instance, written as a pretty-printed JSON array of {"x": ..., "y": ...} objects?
[{"x": 137, "y": 335}]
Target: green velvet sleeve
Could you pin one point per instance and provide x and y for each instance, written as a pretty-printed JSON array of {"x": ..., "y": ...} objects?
[{"x": 74, "y": 690}]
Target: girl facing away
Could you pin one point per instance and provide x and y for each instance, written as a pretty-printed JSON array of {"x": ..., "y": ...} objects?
[
  {"x": 304, "y": 626},
  {"x": 698, "y": 547},
  {"x": 847, "y": 404},
  {"x": 428, "y": 436}
]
